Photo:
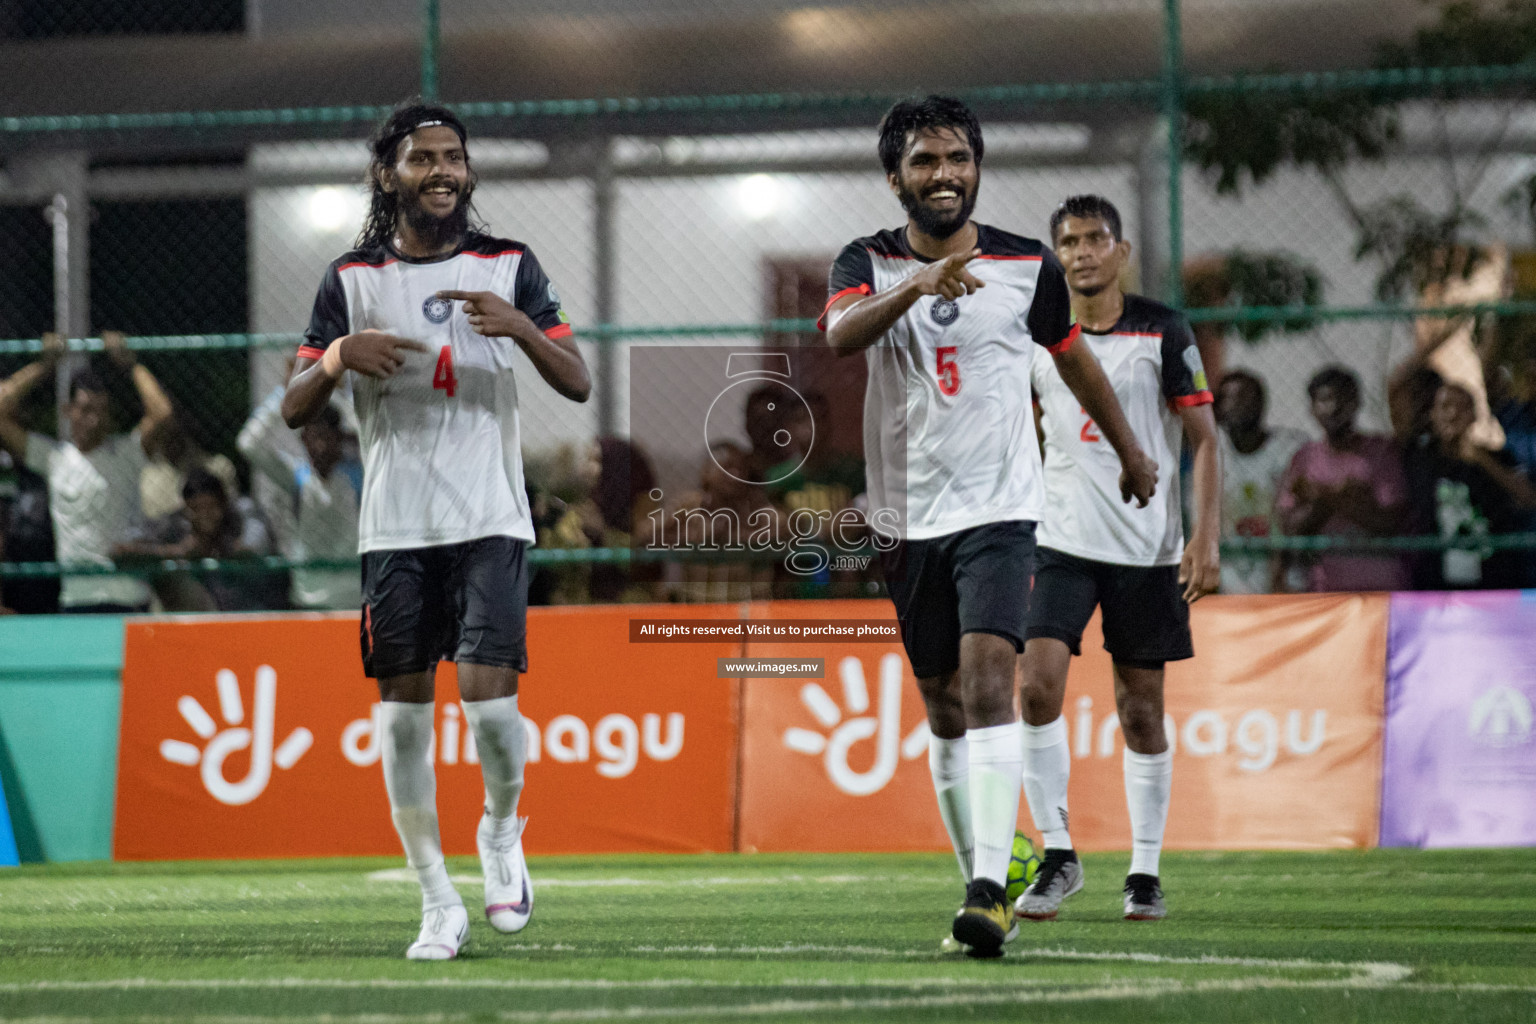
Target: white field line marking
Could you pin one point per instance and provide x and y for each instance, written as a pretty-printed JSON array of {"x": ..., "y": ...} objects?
[
  {"x": 539, "y": 881},
  {"x": 1383, "y": 971},
  {"x": 1362, "y": 972},
  {"x": 1140, "y": 990},
  {"x": 599, "y": 984}
]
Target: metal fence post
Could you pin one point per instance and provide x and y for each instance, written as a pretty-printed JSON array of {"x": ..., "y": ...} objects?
[
  {"x": 429, "y": 39},
  {"x": 1173, "y": 114},
  {"x": 63, "y": 175},
  {"x": 605, "y": 284}
]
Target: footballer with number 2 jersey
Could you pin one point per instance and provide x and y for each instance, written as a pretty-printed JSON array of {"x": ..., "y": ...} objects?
[
  {"x": 1131, "y": 564},
  {"x": 947, "y": 313},
  {"x": 425, "y": 317}
]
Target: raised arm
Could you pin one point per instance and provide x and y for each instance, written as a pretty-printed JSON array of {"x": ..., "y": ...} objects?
[
  {"x": 157, "y": 406},
  {"x": 17, "y": 386},
  {"x": 856, "y": 321},
  {"x": 1083, "y": 375},
  {"x": 259, "y": 442}
]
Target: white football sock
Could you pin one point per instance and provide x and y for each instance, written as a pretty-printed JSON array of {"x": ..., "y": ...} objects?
[
  {"x": 1148, "y": 784},
  {"x": 997, "y": 759},
  {"x": 436, "y": 888},
  {"x": 949, "y": 763},
  {"x": 412, "y": 788},
  {"x": 1047, "y": 769},
  {"x": 503, "y": 747}
]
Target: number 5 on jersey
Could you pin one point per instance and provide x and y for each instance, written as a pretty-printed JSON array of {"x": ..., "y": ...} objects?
[
  {"x": 948, "y": 370},
  {"x": 442, "y": 377}
]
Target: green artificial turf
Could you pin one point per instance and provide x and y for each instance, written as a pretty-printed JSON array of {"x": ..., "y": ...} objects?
[{"x": 1385, "y": 935}]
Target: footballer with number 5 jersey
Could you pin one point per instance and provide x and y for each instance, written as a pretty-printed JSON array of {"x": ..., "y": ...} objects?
[
  {"x": 947, "y": 313},
  {"x": 424, "y": 317},
  {"x": 1131, "y": 564}
]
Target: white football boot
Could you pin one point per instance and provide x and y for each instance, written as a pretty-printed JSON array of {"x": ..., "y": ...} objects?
[
  {"x": 508, "y": 889},
  {"x": 443, "y": 932}
]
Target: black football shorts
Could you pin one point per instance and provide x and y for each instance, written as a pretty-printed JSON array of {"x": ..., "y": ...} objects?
[
  {"x": 971, "y": 581},
  {"x": 463, "y": 602},
  {"x": 1146, "y": 618}
]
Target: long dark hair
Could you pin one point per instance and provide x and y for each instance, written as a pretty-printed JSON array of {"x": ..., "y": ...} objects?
[{"x": 384, "y": 147}]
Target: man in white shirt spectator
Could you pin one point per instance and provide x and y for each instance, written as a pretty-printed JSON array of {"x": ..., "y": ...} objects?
[
  {"x": 93, "y": 478},
  {"x": 1253, "y": 459},
  {"x": 322, "y": 498}
]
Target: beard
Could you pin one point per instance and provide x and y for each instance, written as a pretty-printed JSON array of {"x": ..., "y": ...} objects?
[
  {"x": 433, "y": 230},
  {"x": 937, "y": 223}
]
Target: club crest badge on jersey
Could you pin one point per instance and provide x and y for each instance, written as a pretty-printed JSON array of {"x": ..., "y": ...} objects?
[
  {"x": 945, "y": 312},
  {"x": 1196, "y": 368},
  {"x": 436, "y": 310}
]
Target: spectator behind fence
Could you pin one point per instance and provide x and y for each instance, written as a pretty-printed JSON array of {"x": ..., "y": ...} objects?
[
  {"x": 1347, "y": 485},
  {"x": 28, "y": 537},
  {"x": 1512, "y": 399},
  {"x": 1254, "y": 458},
  {"x": 1458, "y": 489},
  {"x": 815, "y": 477},
  {"x": 323, "y": 499},
  {"x": 560, "y": 485},
  {"x": 176, "y": 456},
  {"x": 209, "y": 525},
  {"x": 718, "y": 515},
  {"x": 622, "y": 501},
  {"x": 93, "y": 478}
]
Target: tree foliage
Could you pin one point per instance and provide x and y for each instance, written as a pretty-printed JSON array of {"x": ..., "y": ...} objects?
[{"x": 1240, "y": 139}]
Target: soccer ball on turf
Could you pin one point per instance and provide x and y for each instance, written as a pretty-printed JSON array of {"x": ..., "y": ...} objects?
[{"x": 1021, "y": 866}]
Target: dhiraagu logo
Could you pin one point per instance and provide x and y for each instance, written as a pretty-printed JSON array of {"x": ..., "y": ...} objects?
[
  {"x": 235, "y": 736},
  {"x": 883, "y": 726}
]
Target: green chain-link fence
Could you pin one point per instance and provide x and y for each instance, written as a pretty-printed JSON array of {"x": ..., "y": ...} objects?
[{"x": 1311, "y": 213}]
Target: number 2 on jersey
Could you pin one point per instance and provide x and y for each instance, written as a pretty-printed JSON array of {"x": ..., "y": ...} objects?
[
  {"x": 442, "y": 377},
  {"x": 948, "y": 370},
  {"x": 1090, "y": 432}
]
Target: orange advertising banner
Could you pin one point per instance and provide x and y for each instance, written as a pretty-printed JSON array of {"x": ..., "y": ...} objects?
[
  {"x": 839, "y": 763},
  {"x": 1282, "y": 701},
  {"x": 260, "y": 738}
]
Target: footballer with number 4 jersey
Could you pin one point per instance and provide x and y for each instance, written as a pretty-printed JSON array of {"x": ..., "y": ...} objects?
[
  {"x": 948, "y": 314},
  {"x": 1132, "y": 564},
  {"x": 425, "y": 317}
]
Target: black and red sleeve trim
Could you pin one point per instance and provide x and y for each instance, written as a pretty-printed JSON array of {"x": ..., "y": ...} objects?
[
  {"x": 863, "y": 289},
  {"x": 1065, "y": 343}
]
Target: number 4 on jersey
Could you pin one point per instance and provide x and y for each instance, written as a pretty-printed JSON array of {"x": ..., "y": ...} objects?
[{"x": 442, "y": 377}]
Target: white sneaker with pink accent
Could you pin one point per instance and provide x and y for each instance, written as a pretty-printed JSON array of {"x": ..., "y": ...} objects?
[
  {"x": 443, "y": 932},
  {"x": 508, "y": 889}
]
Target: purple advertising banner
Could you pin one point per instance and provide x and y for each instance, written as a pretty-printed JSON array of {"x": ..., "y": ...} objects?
[{"x": 1459, "y": 767}]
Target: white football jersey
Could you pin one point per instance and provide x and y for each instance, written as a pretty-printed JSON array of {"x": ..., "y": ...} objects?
[
  {"x": 949, "y": 436},
  {"x": 1249, "y": 486},
  {"x": 1154, "y": 367},
  {"x": 442, "y": 460}
]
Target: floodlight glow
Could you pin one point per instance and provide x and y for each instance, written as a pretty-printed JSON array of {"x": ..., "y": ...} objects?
[
  {"x": 759, "y": 196},
  {"x": 329, "y": 209}
]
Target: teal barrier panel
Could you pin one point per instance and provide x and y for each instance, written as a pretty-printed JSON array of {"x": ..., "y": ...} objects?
[{"x": 60, "y": 698}]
